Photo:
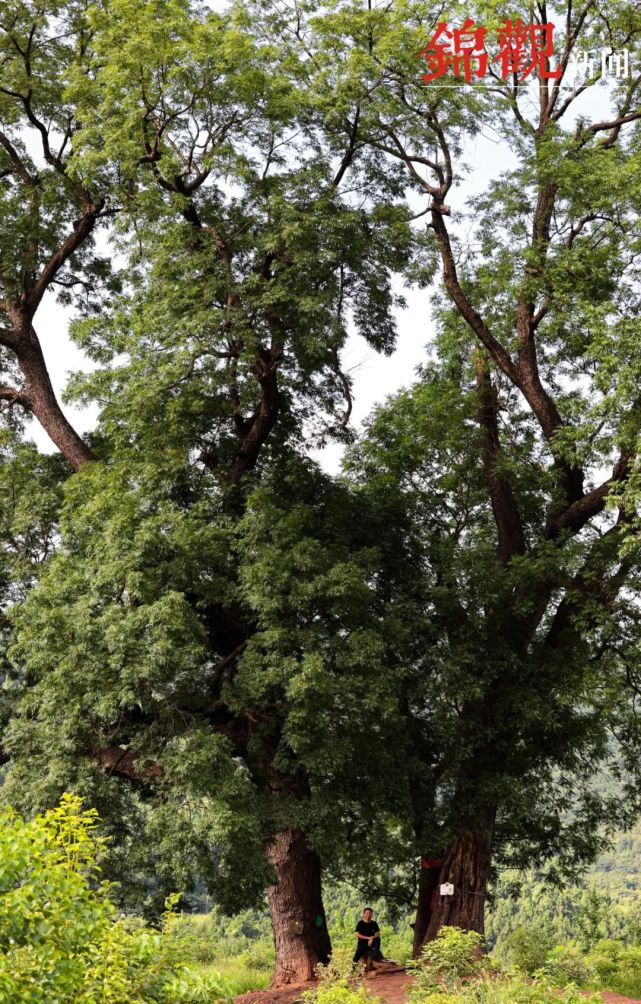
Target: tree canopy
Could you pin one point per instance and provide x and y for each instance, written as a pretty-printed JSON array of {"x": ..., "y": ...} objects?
[{"x": 249, "y": 666}]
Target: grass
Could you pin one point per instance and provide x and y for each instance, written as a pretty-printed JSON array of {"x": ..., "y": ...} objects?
[{"x": 240, "y": 977}]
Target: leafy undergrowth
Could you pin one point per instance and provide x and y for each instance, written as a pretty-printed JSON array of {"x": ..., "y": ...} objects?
[
  {"x": 607, "y": 964},
  {"x": 453, "y": 970},
  {"x": 233, "y": 947}
]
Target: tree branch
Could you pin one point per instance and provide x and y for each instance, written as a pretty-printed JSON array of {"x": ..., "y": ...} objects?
[
  {"x": 123, "y": 763},
  {"x": 575, "y": 517},
  {"x": 18, "y": 165},
  {"x": 81, "y": 230},
  {"x": 14, "y": 396},
  {"x": 504, "y": 505},
  {"x": 465, "y": 308}
]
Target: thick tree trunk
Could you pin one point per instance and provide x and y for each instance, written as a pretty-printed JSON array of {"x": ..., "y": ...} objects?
[
  {"x": 427, "y": 890},
  {"x": 44, "y": 404},
  {"x": 467, "y": 867},
  {"x": 300, "y": 932}
]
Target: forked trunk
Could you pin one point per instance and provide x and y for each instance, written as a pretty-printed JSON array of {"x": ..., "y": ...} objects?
[
  {"x": 300, "y": 932},
  {"x": 466, "y": 866}
]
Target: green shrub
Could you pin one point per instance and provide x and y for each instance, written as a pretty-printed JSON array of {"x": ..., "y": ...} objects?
[
  {"x": 397, "y": 946},
  {"x": 448, "y": 961},
  {"x": 528, "y": 948},
  {"x": 567, "y": 964},
  {"x": 616, "y": 967},
  {"x": 337, "y": 984},
  {"x": 511, "y": 988},
  {"x": 340, "y": 992},
  {"x": 239, "y": 978},
  {"x": 59, "y": 938},
  {"x": 453, "y": 970},
  {"x": 195, "y": 988},
  {"x": 259, "y": 956},
  {"x": 604, "y": 961}
]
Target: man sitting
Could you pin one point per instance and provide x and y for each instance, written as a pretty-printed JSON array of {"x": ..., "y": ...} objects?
[{"x": 368, "y": 937}]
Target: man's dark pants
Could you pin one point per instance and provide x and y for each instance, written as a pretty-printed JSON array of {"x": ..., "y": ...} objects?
[{"x": 362, "y": 947}]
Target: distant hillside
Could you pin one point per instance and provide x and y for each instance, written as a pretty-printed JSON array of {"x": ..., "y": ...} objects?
[{"x": 608, "y": 898}]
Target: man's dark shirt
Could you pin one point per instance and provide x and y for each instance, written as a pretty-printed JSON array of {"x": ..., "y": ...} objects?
[{"x": 368, "y": 929}]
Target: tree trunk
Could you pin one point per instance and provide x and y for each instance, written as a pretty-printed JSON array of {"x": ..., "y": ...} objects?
[
  {"x": 467, "y": 867},
  {"x": 427, "y": 888},
  {"x": 44, "y": 404},
  {"x": 300, "y": 932}
]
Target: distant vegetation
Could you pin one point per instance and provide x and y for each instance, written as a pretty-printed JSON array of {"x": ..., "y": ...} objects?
[{"x": 606, "y": 904}]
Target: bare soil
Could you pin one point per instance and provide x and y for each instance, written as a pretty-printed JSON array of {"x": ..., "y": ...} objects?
[{"x": 392, "y": 987}]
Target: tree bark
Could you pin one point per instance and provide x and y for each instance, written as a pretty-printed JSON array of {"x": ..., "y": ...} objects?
[
  {"x": 44, "y": 405},
  {"x": 467, "y": 867},
  {"x": 427, "y": 885},
  {"x": 295, "y": 902}
]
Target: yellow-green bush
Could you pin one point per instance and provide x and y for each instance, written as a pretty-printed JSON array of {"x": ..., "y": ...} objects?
[
  {"x": 339, "y": 991},
  {"x": 60, "y": 941}
]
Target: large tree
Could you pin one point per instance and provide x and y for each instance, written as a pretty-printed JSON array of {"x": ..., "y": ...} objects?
[
  {"x": 256, "y": 190},
  {"x": 217, "y": 347},
  {"x": 541, "y": 313},
  {"x": 523, "y": 729}
]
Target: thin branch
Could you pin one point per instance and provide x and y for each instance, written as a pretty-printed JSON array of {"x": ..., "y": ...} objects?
[
  {"x": 81, "y": 230},
  {"x": 18, "y": 165}
]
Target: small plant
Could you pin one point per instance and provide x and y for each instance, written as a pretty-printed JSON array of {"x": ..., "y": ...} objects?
[
  {"x": 340, "y": 992},
  {"x": 448, "y": 961},
  {"x": 335, "y": 986},
  {"x": 604, "y": 961},
  {"x": 337, "y": 983}
]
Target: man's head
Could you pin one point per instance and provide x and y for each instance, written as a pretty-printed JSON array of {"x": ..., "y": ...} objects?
[{"x": 368, "y": 913}]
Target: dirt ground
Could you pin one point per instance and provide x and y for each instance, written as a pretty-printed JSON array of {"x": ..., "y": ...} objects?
[{"x": 392, "y": 987}]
